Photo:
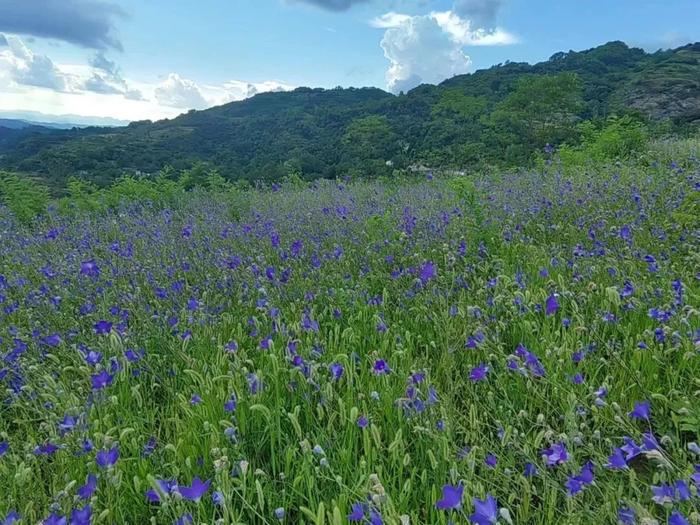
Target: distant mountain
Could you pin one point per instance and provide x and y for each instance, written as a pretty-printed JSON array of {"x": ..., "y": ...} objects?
[
  {"x": 59, "y": 121},
  {"x": 467, "y": 119}
]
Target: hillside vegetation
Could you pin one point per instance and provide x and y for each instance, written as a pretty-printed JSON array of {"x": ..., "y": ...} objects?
[{"x": 499, "y": 116}]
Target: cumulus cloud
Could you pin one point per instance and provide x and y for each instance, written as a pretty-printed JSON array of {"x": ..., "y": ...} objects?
[
  {"x": 178, "y": 92},
  {"x": 239, "y": 90},
  {"x": 332, "y": 5},
  {"x": 87, "y": 23},
  {"x": 467, "y": 33},
  {"x": 420, "y": 51},
  {"x": 107, "y": 79},
  {"x": 429, "y": 48},
  {"x": 3, "y": 40},
  {"x": 389, "y": 20},
  {"x": 30, "y": 69}
]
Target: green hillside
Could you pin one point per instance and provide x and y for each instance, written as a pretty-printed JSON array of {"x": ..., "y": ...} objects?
[{"x": 496, "y": 116}]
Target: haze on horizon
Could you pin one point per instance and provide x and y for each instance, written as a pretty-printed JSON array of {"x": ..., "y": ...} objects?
[{"x": 133, "y": 60}]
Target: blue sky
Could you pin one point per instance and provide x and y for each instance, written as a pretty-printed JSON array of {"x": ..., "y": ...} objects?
[{"x": 134, "y": 59}]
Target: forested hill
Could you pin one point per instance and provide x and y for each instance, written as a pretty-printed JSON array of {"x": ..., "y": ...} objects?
[{"x": 501, "y": 114}]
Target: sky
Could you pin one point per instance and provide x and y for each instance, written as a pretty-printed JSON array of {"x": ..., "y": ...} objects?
[{"x": 152, "y": 59}]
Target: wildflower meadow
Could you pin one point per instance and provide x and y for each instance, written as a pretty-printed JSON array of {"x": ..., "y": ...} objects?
[{"x": 511, "y": 348}]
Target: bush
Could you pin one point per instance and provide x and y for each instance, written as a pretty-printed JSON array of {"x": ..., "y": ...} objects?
[{"x": 23, "y": 196}]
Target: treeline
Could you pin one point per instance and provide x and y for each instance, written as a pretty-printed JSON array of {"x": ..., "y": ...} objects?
[
  {"x": 501, "y": 116},
  {"x": 619, "y": 139}
]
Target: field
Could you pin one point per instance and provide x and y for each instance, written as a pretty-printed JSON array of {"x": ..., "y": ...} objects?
[{"x": 517, "y": 348}]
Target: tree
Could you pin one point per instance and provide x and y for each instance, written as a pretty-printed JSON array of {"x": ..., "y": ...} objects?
[
  {"x": 370, "y": 137},
  {"x": 541, "y": 110}
]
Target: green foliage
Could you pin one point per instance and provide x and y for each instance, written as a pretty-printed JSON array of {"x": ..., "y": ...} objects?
[
  {"x": 687, "y": 216},
  {"x": 24, "y": 197},
  {"x": 498, "y": 116},
  {"x": 619, "y": 138},
  {"x": 540, "y": 110},
  {"x": 369, "y": 138},
  {"x": 615, "y": 139}
]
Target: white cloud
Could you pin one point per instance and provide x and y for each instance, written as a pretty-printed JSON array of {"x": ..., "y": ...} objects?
[
  {"x": 106, "y": 78},
  {"x": 30, "y": 81},
  {"x": 420, "y": 51},
  {"x": 238, "y": 90},
  {"x": 388, "y": 20},
  {"x": 430, "y": 48},
  {"x": 181, "y": 93},
  {"x": 27, "y": 68},
  {"x": 464, "y": 32}
]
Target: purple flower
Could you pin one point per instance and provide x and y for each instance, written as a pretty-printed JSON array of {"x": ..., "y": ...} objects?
[
  {"x": 46, "y": 449},
  {"x": 337, "y": 371},
  {"x": 616, "y": 460},
  {"x": 4, "y": 447},
  {"x": 375, "y": 518},
  {"x": 427, "y": 272},
  {"x": 695, "y": 477},
  {"x": 66, "y": 425},
  {"x": 479, "y": 373},
  {"x": 87, "y": 490},
  {"x": 642, "y": 410},
  {"x": 308, "y": 324},
  {"x": 101, "y": 380},
  {"x": 53, "y": 340},
  {"x": 149, "y": 447},
  {"x": 195, "y": 399},
  {"x": 81, "y": 516},
  {"x": 649, "y": 441},
  {"x": 230, "y": 405},
  {"x": 103, "y": 327},
  {"x": 89, "y": 268},
  {"x": 357, "y": 512},
  {"x": 551, "y": 305},
  {"x": 555, "y": 455},
  {"x": 279, "y": 513},
  {"x": 107, "y": 458},
  {"x": 682, "y": 490},
  {"x": 93, "y": 358},
  {"x": 676, "y": 518},
  {"x": 485, "y": 511},
  {"x": 133, "y": 356},
  {"x": 195, "y": 491},
  {"x": 55, "y": 519},
  {"x": 630, "y": 448},
  {"x": 164, "y": 486},
  {"x": 253, "y": 383},
  {"x": 451, "y": 497},
  {"x": 626, "y": 516},
  {"x": 185, "y": 519},
  {"x": 218, "y": 499},
  {"x": 381, "y": 367},
  {"x": 491, "y": 461},
  {"x": 662, "y": 494},
  {"x": 576, "y": 484},
  {"x": 11, "y": 518},
  {"x": 362, "y": 421},
  {"x": 530, "y": 470}
]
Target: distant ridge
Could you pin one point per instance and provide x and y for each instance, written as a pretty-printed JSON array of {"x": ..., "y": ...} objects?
[{"x": 333, "y": 132}]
